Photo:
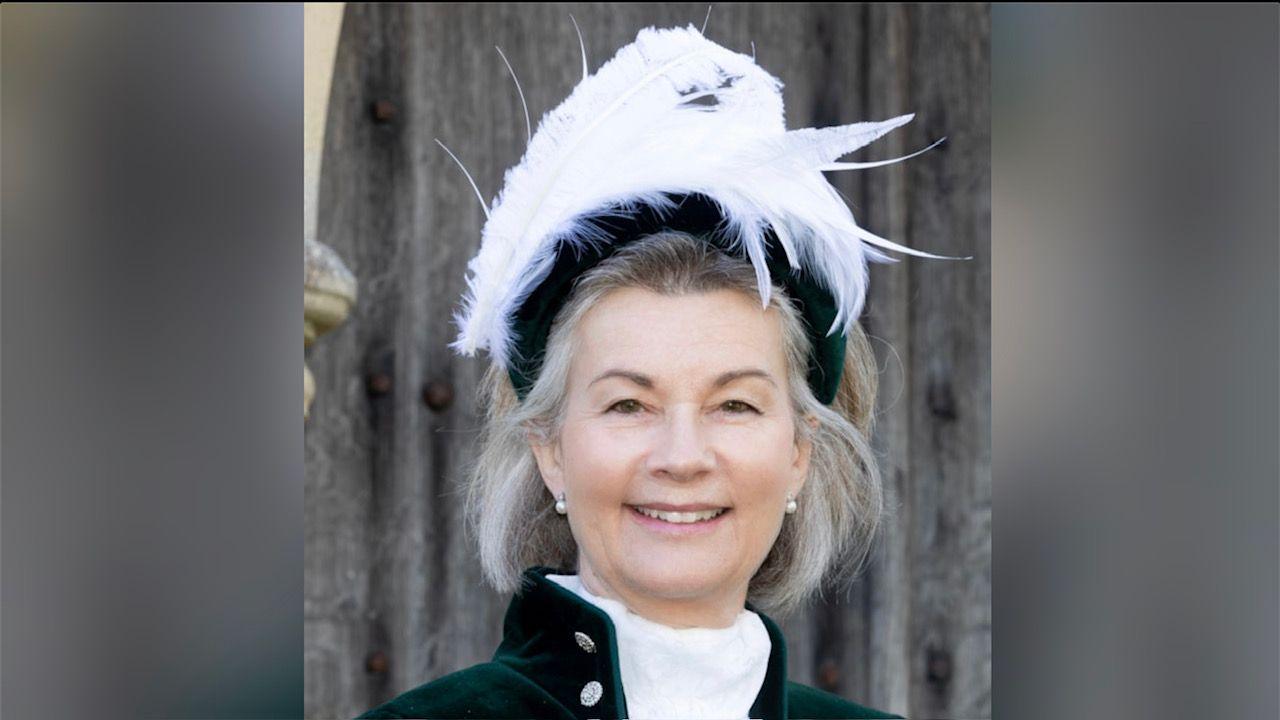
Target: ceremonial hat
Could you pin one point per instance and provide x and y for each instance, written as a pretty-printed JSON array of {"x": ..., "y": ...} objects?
[{"x": 674, "y": 133}]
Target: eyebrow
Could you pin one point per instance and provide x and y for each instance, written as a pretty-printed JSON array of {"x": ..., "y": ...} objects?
[{"x": 645, "y": 381}]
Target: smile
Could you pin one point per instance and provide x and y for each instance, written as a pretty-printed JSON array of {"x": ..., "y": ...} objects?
[{"x": 680, "y": 517}]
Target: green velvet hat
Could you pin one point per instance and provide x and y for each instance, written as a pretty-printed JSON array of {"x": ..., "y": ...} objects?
[
  {"x": 674, "y": 133},
  {"x": 696, "y": 215}
]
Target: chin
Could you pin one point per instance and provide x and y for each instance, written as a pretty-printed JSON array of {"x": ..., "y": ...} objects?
[{"x": 679, "y": 580}]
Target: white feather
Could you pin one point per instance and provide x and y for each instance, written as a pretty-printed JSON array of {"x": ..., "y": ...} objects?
[
  {"x": 527, "y": 131},
  {"x": 582, "y": 45},
  {"x": 878, "y": 163},
  {"x": 630, "y": 134}
]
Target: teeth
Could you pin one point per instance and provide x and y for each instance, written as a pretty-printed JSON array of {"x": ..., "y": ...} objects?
[{"x": 680, "y": 517}]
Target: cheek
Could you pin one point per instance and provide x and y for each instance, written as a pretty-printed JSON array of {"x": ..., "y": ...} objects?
[
  {"x": 764, "y": 453},
  {"x": 759, "y": 470},
  {"x": 598, "y": 463}
]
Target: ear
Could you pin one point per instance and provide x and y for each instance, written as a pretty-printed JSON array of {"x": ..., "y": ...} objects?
[
  {"x": 800, "y": 460},
  {"x": 549, "y": 465}
]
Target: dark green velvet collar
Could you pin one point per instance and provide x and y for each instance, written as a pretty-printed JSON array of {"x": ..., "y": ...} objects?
[
  {"x": 697, "y": 215},
  {"x": 539, "y": 643}
]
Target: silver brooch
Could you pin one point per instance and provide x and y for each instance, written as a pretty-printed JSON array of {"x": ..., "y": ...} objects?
[
  {"x": 591, "y": 693},
  {"x": 585, "y": 642}
]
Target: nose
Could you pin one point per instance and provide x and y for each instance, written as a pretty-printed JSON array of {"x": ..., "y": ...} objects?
[{"x": 680, "y": 447}]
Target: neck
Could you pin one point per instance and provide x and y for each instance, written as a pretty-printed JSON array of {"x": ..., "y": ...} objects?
[{"x": 719, "y": 611}]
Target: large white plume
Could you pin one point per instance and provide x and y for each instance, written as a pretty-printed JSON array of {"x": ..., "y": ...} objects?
[{"x": 674, "y": 113}]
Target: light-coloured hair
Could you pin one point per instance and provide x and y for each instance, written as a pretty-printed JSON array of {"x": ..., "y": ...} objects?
[{"x": 510, "y": 512}]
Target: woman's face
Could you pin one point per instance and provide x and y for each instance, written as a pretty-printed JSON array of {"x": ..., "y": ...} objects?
[{"x": 677, "y": 408}]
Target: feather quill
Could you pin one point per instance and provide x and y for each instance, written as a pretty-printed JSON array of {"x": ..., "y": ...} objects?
[{"x": 637, "y": 131}]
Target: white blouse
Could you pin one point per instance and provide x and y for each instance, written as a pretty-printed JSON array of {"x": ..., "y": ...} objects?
[{"x": 685, "y": 673}]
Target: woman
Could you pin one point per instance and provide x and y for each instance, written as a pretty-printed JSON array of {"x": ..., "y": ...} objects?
[
  {"x": 679, "y": 405},
  {"x": 673, "y": 426}
]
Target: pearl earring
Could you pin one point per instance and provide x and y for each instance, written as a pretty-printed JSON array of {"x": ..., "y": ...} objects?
[
  {"x": 791, "y": 505},
  {"x": 561, "y": 507}
]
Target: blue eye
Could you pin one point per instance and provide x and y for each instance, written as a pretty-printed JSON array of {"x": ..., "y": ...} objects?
[{"x": 626, "y": 407}]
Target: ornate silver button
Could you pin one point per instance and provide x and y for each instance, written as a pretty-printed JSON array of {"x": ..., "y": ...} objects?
[
  {"x": 585, "y": 642},
  {"x": 591, "y": 693}
]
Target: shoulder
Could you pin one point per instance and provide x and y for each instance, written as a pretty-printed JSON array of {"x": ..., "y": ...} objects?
[
  {"x": 487, "y": 690},
  {"x": 804, "y": 701}
]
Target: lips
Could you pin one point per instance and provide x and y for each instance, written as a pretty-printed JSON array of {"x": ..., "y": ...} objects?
[
  {"x": 680, "y": 517},
  {"x": 679, "y": 520}
]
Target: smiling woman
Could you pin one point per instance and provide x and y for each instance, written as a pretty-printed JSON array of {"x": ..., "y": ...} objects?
[
  {"x": 669, "y": 477},
  {"x": 678, "y": 407},
  {"x": 666, "y": 386}
]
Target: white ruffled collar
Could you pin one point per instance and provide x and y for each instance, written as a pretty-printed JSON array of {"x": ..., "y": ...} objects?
[{"x": 689, "y": 673}]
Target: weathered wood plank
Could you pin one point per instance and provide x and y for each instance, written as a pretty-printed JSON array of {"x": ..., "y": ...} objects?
[
  {"x": 886, "y": 609},
  {"x": 948, "y": 83}
]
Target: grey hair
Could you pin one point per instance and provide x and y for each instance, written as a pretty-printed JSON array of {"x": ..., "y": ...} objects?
[{"x": 510, "y": 511}]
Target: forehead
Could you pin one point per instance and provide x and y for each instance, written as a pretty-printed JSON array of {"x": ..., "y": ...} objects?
[{"x": 682, "y": 337}]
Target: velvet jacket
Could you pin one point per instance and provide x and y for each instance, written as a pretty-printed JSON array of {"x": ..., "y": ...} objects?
[{"x": 559, "y": 659}]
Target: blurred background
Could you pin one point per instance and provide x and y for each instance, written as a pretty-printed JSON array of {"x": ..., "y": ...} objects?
[
  {"x": 152, "y": 459},
  {"x": 394, "y": 595}
]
